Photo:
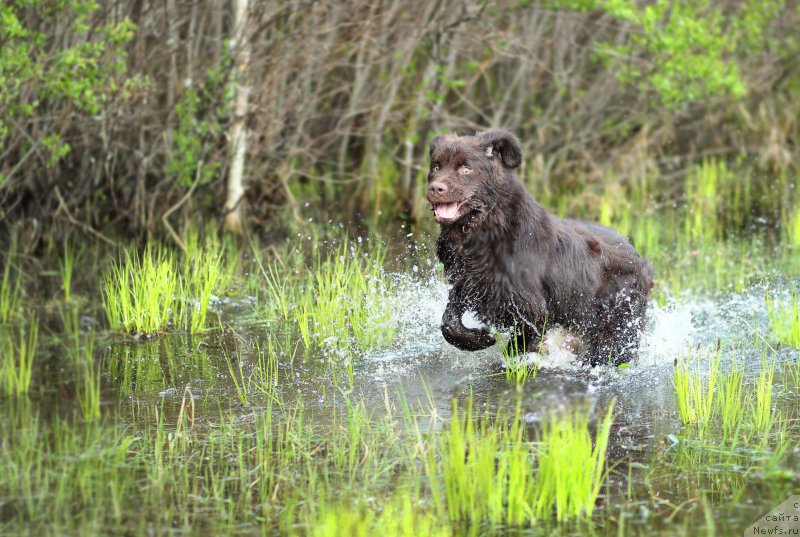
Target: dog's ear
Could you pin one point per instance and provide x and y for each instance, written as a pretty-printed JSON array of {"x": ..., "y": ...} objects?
[{"x": 495, "y": 142}]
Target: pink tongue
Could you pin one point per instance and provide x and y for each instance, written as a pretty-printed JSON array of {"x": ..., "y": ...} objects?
[{"x": 447, "y": 211}]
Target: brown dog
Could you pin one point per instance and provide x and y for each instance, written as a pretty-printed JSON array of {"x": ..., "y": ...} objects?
[{"x": 522, "y": 269}]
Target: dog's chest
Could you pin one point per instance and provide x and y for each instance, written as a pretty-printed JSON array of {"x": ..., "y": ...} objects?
[{"x": 484, "y": 268}]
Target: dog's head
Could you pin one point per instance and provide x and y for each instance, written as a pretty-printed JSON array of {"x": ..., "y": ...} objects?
[{"x": 467, "y": 171}]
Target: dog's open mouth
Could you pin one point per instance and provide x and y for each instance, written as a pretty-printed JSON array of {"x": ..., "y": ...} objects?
[{"x": 446, "y": 212}]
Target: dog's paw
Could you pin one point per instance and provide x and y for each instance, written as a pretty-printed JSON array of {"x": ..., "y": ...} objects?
[{"x": 467, "y": 339}]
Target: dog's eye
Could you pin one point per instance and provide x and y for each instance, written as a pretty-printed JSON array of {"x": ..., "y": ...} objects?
[
  {"x": 466, "y": 170},
  {"x": 435, "y": 168}
]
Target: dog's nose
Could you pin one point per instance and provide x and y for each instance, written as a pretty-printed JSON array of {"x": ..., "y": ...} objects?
[{"x": 437, "y": 189}]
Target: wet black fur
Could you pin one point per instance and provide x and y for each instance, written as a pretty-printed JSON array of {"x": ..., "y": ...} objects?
[{"x": 520, "y": 268}]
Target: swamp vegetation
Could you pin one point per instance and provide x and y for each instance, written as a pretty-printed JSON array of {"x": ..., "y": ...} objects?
[
  {"x": 159, "y": 375},
  {"x": 305, "y": 389}
]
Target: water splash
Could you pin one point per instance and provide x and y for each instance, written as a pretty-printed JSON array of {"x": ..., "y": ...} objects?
[{"x": 672, "y": 330}]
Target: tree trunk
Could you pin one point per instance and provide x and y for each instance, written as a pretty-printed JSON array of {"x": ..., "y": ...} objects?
[{"x": 238, "y": 137}]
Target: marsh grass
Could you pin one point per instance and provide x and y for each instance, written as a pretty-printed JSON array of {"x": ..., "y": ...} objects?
[
  {"x": 282, "y": 473},
  {"x": 17, "y": 357},
  {"x": 316, "y": 460},
  {"x": 724, "y": 469},
  {"x": 763, "y": 416},
  {"x": 241, "y": 382},
  {"x": 79, "y": 349},
  {"x": 264, "y": 378},
  {"x": 784, "y": 318},
  {"x": 731, "y": 399},
  {"x": 486, "y": 468},
  {"x": 518, "y": 368},
  {"x": 703, "y": 241},
  {"x": 159, "y": 364},
  {"x": 712, "y": 399},
  {"x": 200, "y": 277},
  {"x": 792, "y": 230},
  {"x": 155, "y": 292},
  {"x": 400, "y": 518},
  {"x": 140, "y": 292},
  {"x": 475, "y": 487},
  {"x": 695, "y": 390},
  {"x": 10, "y": 286},
  {"x": 346, "y": 307},
  {"x": 572, "y": 467},
  {"x": 66, "y": 264}
]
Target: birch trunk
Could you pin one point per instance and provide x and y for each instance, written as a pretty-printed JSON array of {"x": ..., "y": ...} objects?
[{"x": 238, "y": 135}]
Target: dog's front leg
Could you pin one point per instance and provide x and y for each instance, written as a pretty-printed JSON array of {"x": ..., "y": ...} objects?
[{"x": 458, "y": 335}]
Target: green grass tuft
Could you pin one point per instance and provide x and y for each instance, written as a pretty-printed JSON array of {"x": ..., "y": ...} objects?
[
  {"x": 17, "y": 354},
  {"x": 486, "y": 468},
  {"x": 140, "y": 292},
  {"x": 151, "y": 293},
  {"x": 517, "y": 367},
  {"x": 10, "y": 287},
  {"x": 713, "y": 399},
  {"x": 572, "y": 468},
  {"x": 347, "y": 306},
  {"x": 784, "y": 318},
  {"x": 696, "y": 391}
]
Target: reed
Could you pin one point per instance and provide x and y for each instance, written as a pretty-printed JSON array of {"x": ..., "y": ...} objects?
[
  {"x": 571, "y": 467},
  {"x": 793, "y": 226},
  {"x": 709, "y": 397},
  {"x": 487, "y": 468},
  {"x": 695, "y": 390},
  {"x": 241, "y": 382},
  {"x": 731, "y": 400},
  {"x": 10, "y": 286},
  {"x": 763, "y": 417},
  {"x": 200, "y": 278},
  {"x": 346, "y": 307},
  {"x": 17, "y": 358},
  {"x": 79, "y": 349},
  {"x": 66, "y": 264},
  {"x": 784, "y": 318},
  {"x": 519, "y": 368},
  {"x": 152, "y": 293},
  {"x": 140, "y": 292}
]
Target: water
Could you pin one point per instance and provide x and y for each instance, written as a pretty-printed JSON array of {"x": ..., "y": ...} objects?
[
  {"x": 427, "y": 371},
  {"x": 650, "y": 452}
]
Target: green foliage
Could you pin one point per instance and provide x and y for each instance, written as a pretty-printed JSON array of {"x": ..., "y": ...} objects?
[
  {"x": 84, "y": 71},
  {"x": 683, "y": 50},
  {"x": 199, "y": 114},
  {"x": 55, "y": 147},
  {"x": 190, "y": 160}
]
